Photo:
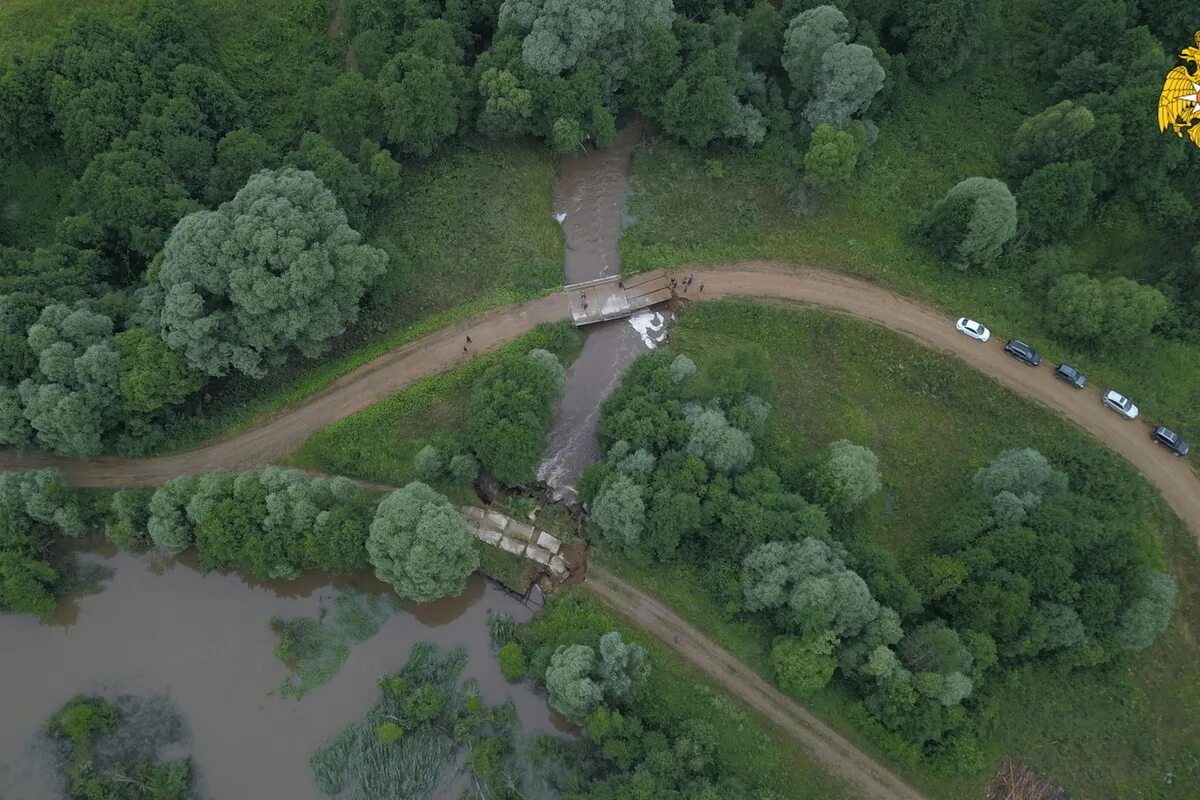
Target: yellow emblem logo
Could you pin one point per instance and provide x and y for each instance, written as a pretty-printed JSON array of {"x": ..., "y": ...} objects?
[{"x": 1179, "y": 103}]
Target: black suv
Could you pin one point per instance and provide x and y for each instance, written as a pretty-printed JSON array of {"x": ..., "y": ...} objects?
[
  {"x": 1071, "y": 375},
  {"x": 1171, "y": 440},
  {"x": 1019, "y": 350}
]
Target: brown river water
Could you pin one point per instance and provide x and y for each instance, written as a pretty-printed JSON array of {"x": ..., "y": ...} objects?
[
  {"x": 161, "y": 627},
  {"x": 591, "y": 190}
]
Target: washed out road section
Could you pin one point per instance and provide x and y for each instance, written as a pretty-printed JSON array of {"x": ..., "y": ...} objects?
[{"x": 268, "y": 440}]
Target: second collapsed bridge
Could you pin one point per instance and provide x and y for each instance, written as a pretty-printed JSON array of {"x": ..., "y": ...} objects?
[{"x": 611, "y": 297}]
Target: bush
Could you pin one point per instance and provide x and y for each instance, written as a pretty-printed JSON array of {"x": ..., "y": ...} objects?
[
  {"x": 463, "y": 468},
  {"x": 512, "y": 661},
  {"x": 971, "y": 224},
  {"x": 429, "y": 464},
  {"x": 804, "y": 666}
]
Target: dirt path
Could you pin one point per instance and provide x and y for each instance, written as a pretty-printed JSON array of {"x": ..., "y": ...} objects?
[
  {"x": 275, "y": 436},
  {"x": 843, "y": 760}
]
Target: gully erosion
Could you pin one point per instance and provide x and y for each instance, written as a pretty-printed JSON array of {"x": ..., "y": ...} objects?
[{"x": 208, "y": 633}]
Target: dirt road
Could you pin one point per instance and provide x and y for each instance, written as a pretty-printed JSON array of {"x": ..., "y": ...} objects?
[
  {"x": 274, "y": 436},
  {"x": 840, "y": 757}
]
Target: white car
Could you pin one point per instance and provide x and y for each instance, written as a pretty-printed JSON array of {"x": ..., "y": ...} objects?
[
  {"x": 973, "y": 329},
  {"x": 1121, "y": 404}
]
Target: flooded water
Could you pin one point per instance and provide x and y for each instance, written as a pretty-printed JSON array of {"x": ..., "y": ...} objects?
[
  {"x": 591, "y": 192},
  {"x": 160, "y": 627}
]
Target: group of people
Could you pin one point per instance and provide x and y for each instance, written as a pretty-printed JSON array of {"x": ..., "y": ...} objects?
[{"x": 687, "y": 282}]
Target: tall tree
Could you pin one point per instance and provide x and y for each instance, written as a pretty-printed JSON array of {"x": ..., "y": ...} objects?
[
  {"x": 421, "y": 545},
  {"x": 276, "y": 267}
]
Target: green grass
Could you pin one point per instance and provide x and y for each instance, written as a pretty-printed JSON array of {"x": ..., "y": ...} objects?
[
  {"x": 378, "y": 443},
  {"x": 687, "y": 216},
  {"x": 476, "y": 219},
  {"x": 932, "y": 421}
]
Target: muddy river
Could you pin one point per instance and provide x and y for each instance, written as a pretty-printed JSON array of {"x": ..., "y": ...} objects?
[
  {"x": 162, "y": 627},
  {"x": 591, "y": 191}
]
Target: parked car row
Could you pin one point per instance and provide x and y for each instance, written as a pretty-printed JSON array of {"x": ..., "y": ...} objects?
[{"x": 1114, "y": 400}]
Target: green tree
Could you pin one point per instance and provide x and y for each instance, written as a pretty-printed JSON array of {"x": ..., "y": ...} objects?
[
  {"x": 803, "y": 666},
  {"x": 723, "y": 447},
  {"x": 847, "y": 476},
  {"x": 507, "y": 107},
  {"x": 971, "y": 224},
  {"x": 1132, "y": 310},
  {"x": 809, "y": 35},
  {"x": 620, "y": 512},
  {"x": 1149, "y": 614},
  {"x": 463, "y": 468},
  {"x": 1112, "y": 314},
  {"x": 762, "y": 35},
  {"x": 337, "y": 173},
  {"x": 127, "y": 518},
  {"x": 1054, "y": 135},
  {"x": 1055, "y": 200},
  {"x": 346, "y": 110},
  {"x": 831, "y": 158},
  {"x": 423, "y": 102},
  {"x": 240, "y": 154},
  {"x": 569, "y": 683},
  {"x": 167, "y": 521},
  {"x": 561, "y": 33},
  {"x": 848, "y": 79},
  {"x": 1019, "y": 480},
  {"x": 420, "y": 544},
  {"x": 73, "y": 399},
  {"x": 152, "y": 375},
  {"x": 942, "y": 34},
  {"x": 429, "y": 463},
  {"x": 225, "y": 298},
  {"x": 510, "y": 414}
]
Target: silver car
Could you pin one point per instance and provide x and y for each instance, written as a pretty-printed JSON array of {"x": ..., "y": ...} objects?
[{"x": 1121, "y": 404}]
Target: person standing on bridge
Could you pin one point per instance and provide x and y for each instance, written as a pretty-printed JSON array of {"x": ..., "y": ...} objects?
[{"x": 701, "y": 289}]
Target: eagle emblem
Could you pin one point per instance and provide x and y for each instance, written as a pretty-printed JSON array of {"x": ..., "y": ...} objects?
[{"x": 1179, "y": 103}]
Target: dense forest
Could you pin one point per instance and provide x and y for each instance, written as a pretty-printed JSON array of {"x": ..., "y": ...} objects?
[{"x": 120, "y": 312}]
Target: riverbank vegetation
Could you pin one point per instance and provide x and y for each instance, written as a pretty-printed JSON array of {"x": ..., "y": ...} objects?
[
  {"x": 938, "y": 546},
  {"x": 315, "y": 649},
  {"x": 111, "y": 750}
]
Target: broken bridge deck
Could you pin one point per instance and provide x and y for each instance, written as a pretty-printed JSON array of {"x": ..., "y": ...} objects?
[{"x": 608, "y": 298}]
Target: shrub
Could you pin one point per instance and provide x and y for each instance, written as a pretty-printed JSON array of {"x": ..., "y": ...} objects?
[
  {"x": 971, "y": 224},
  {"x": 512, "y": 661}
]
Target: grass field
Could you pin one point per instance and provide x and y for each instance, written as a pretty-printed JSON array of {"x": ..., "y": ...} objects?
[
  {"x": 689, "y": 212},
  {"x": 932, "y": 421},
  {"x": 378, "y": 443}
]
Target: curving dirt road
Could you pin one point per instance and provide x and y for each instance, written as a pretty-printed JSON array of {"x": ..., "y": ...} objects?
[
  {"x": 276, "y": 435},
  {"x": 841, "y": 757}
]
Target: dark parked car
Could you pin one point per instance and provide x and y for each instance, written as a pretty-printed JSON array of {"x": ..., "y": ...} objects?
[
  {"x": 1170, "y": 440},
  {"x": 1019, "y": 350},
  {"x": 1071, "y": 375}
]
